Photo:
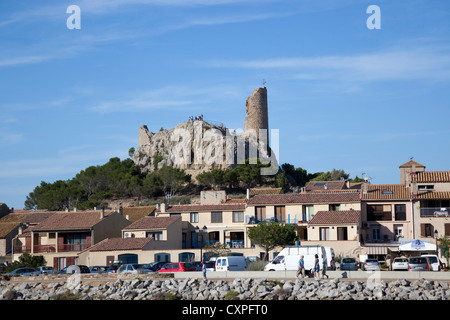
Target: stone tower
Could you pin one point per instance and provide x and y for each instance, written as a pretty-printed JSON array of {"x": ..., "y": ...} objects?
[{"x": 256, "y": 114}]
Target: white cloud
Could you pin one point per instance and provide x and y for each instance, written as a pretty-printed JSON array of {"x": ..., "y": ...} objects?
[{"x": 399, "y": 63}]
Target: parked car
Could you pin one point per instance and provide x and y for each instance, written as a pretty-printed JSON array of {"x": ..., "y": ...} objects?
[
  {"x": 400, "y": 263},
  {"x": 19, "y": 272},
  {"x": 348, "y": 263},
  {"x": 210, "y": 265},
  {"x": 178, "y": 267},
  {"x": 74, "y": 268},
  {"x": 231, "y": 263},
  {"x": 133, "y": 268},
  {"x": 418, "y": 264},
  {"x": 113, "y": 268},
  {"x": 98, "y": 269},
  {"x": 433, "y": 260},
  {"x": 46, "y": 269},
  {"x": 371, "y": 265},
  {"x": 197, "y": 265},
  {"x": 155, "y": 266}
]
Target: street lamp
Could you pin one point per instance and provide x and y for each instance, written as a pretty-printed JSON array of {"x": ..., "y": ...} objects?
[
  {"x": 436, "y": 236},
  {"x": 198, "y": 231}
]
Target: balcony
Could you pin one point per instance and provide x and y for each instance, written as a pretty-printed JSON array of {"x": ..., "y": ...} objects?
[
  {"x": 435, "y": 212},
  {"x": 44, "y": 248},
  {"x": 73, "y": 247}
]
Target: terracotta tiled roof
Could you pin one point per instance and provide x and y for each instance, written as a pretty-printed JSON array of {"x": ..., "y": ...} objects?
[
  {"x": 333, "y": 197},
  {"x": 325, "y": 185},
  {"x": 255, "y": 191},
  {"x": 230, "y": 201},
  {"x": 387, "y": 192},
  {"x": 136, "y": 213},
  {"x": 336, "y": 217},
  {"x": 410, "y": 163},
  {"x": 432, "y": 195},
  {"x": 71, "y": 220},
  {"x": 147, "y": 223},
  {"x": 205, "y": 207},
  {"x": 430, "y": 176},
  {"x": 112, "y": 244}
]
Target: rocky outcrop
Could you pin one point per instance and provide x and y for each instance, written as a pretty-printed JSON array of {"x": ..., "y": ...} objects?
[{"x": 196, "y": 145}]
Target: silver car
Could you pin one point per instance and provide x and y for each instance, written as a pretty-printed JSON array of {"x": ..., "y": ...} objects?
[
  {"x": 348, "y": 263},
  {"x": 371, "y": 265},
  {"x": 418, "y": 264},
  {"x": 133, "y": 268}
]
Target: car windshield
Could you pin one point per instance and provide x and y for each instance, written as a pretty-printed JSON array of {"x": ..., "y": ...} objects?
[
  {"x": 401, "y": 260},
  {"x": 348, "y": 260},
  {"x": 188, "y": 265},
  {"x": 372, "y": 260},
  {"x": 433, "y": 259}
]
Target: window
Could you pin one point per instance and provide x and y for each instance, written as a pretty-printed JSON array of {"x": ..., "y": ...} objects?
[
  {"x": 280, "y": 213},
  {"x": 342, "y": 233},
  {"x": 175, "y": 214},
  {"x": 425, "y": 187},
  {"x": 379, "y": 212},
  {"x": 324, "y": 233},
  {"x": 194, "y": 217},
  {"x": 376, "y": 233},
  {"x": 156, "y": 235},
  {"x": 308, "y": 212},
  {"x": 238, "y": 216},
  {"x": 52, "y": 235},
  {"x": 260, "y": 213},
  {"x": 426, "y": 230},
  {"x": 216, "y": 217},
  {"x": 334, "y": 207},
  {"x": 400, "y": 212}
]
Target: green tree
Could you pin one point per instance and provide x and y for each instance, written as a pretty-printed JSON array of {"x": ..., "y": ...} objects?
[
  {"x": 26, "y": 260},
  {"x": 172, "y": 179},
  {"x": 269, "y": 235},
  {"x": 333, "y": 175}
]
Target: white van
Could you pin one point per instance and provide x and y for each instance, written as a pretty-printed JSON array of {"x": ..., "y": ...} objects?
[
  {"x": 435, "y": 264},
  {"x": 288, "y": 258},
  {"x": 331, "y": 262},
  {"x": 231, "y": 263}
]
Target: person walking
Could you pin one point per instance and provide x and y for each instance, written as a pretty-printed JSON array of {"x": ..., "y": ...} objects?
[
  {"x": 301, "y": 267},
  {"x": 324, "y": 269},
  {"x": 316, "y": 267},
  {"x": 204, "y": 270}
]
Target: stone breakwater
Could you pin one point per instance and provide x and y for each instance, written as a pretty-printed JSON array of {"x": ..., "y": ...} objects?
[{"x": 238, "y": 289}]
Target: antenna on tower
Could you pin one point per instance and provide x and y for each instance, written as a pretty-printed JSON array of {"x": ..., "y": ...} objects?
[{"x": 264, "y": 83}]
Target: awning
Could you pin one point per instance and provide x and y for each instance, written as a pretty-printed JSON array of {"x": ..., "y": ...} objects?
[
  {"x": 417, "y": 245},
  {"x": 377, "y": 250}
]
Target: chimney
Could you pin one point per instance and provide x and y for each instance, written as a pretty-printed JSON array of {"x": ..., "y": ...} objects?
[
  {"x": 163, "y": 208},
  {"x": 102, "y": 213},
  {"x": 365, "y": 187},
  {"x": 325, "y": 186},
  {"x": 248, "y": 193},
  {"x": 127, "y": 217},
  {"x": 348, "y": 184}
]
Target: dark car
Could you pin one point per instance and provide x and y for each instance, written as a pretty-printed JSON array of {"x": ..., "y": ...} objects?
[
  {"x": 74, "y": 269},
  {"x": 113, "y": 268},
  {"x": 23, "y": 272},
  {"x": 155, "y": 266},
  {"x": 98, "y": 269}
]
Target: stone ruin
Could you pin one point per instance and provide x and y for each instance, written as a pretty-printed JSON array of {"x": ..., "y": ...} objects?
[{"x": 197, "y": 146}]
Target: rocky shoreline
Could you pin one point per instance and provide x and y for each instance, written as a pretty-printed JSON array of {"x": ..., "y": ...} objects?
[{"x": 238, "y": 289}]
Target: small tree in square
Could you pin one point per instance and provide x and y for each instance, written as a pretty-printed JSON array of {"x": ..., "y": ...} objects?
[{"x": 269, "y": 235}]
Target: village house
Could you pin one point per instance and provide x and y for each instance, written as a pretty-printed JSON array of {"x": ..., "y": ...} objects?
[
  {"x": 60, "y": 237},
  {"x": 300, "y": 210}
]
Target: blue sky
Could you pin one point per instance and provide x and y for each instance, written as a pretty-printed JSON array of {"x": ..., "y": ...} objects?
[{"x": 343, "y": 96}]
